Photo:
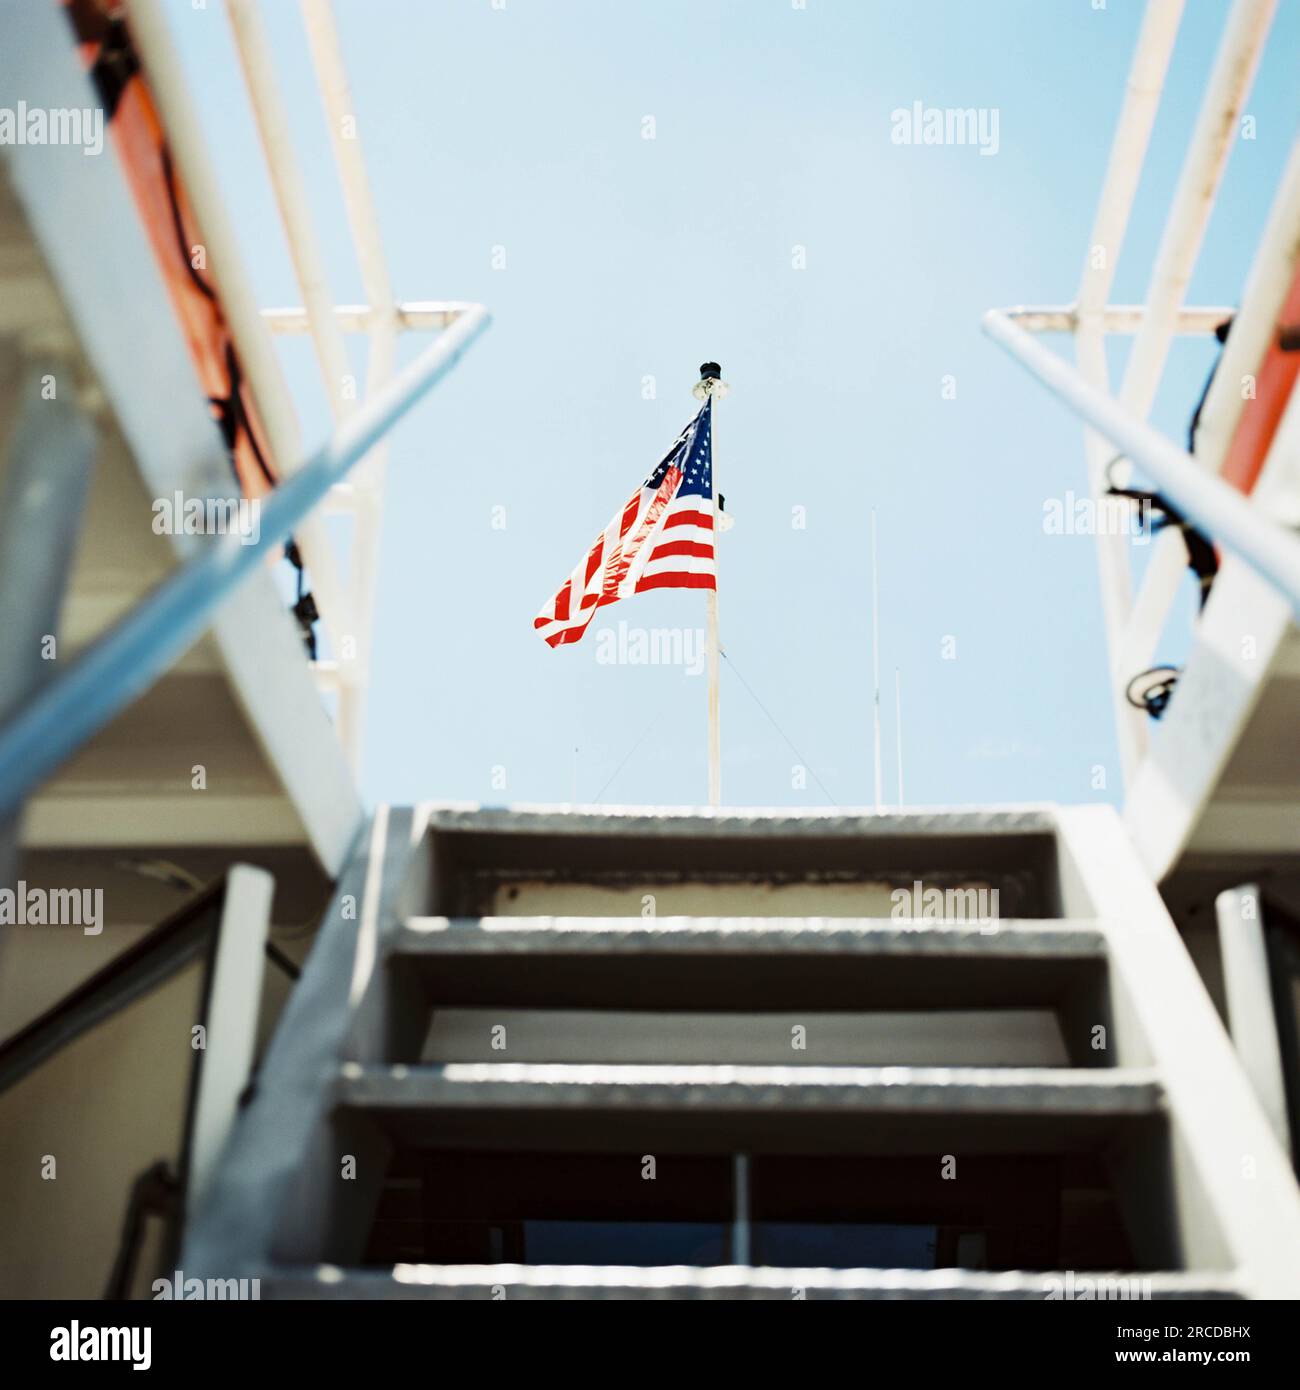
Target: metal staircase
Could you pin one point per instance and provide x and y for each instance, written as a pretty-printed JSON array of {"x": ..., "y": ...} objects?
[{"x": 523, "y": 1033}]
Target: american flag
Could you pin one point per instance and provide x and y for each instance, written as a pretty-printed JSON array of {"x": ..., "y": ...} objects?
[{"x": 662, "y": 539}]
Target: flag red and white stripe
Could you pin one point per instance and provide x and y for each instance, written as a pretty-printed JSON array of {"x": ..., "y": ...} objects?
[{"x": 661, "y": 539}]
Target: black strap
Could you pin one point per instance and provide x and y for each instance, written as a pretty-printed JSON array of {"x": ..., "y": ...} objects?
[
  {"x": 305, "y": 610},
  {"x": 1155, "y": 697},
  {"x": 1201, "y": 558},
  {"x": 1221, "y": 333},
  {"x": 116, "y": 63}
]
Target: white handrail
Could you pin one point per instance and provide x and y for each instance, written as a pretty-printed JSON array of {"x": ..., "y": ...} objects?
[
  {"x": 1247, "y": 988},
  {"x": 1133, "y": 637},
  {"x": 1142, "y": 95},
  {"x": 126, "y": 660},
  {"x": 1132, "y": 626},
  {"x": 1194, "y": 320},
  {"x": 413, "y": 316},
  {"x": 1208, "y": 502},
  {"x": 1253, "y": 325}
]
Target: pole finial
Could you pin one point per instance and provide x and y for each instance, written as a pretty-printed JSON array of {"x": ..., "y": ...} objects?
[{"x": 710, "y": 382}]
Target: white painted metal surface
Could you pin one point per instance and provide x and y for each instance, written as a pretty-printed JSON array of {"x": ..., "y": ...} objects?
[
  {"x": 345, "y": 138},
  {"x": 1142, "y": 94},
  {"x": 1188, "y": 781},
  {"x": 1204, "y": 499},
  {"x": 1135, "y": 622},
  {"x": 1180, "y": 795},
  {"x": 1198, "y": 184},
  {"x": 368, "y": 481},
  {"x": 254, "y": 48},
  {"x": 234, "y": 998},
  {"x": 1194, "y": 320},
  {"x": 1234, "y": 1184},
  {"x": 1266, "y": 289},
  {"x": 1239, "y": 642},
  {"x": 1240, "y": 915},
  {"x": 188, "y": 145},
  {"x": 289, "y": 184},
  {"x": 347, "y": 671},
  {"x": 413, "y": 316},
  {"x": 1123, "y": 173},
  {"x": 1234, "y": 1202},
  {"x": 158, "y": 405}
]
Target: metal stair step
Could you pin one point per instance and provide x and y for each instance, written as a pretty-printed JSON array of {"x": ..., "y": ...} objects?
[
  {"x": 395, "y": 986},
  {"x": 731, "y": 1282},
  {"x": 774, "y": 1109},
  {"x": 748, "y": 963},
  {"x": 479, "y": 853}
]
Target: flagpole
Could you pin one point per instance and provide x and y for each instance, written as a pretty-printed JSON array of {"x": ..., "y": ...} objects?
[
  {"x": 875, "y": 660},
  {"x": 898, "y": 725},
  {"x": 711, "y": 385}
]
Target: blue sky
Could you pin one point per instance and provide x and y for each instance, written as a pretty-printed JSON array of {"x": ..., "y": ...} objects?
[{"x": 625, "y": 258}]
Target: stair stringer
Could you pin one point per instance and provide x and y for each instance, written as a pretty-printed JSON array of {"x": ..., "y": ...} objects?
[{"x": 1238, "y": 1203}]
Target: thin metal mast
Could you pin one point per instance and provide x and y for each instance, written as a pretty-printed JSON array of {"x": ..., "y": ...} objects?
[
  {"x": 898, "y": 726},
  {"x": 875, "y": 660}
]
